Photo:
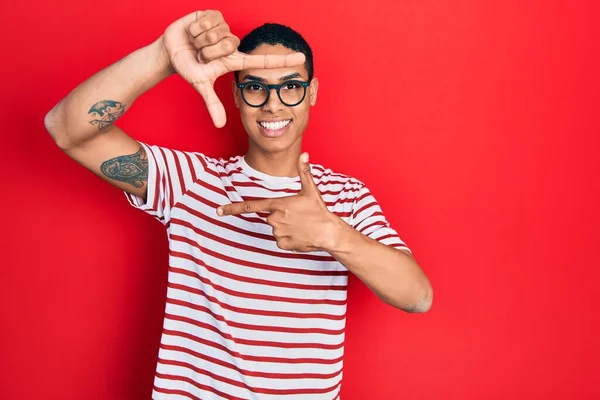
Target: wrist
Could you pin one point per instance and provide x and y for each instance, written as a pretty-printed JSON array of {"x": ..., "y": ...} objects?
[
  {"x": 338, "y": 236},
  {"x": 160, "y": 58}
]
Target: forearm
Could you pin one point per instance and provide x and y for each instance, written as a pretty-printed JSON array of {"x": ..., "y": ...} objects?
[
  {"x": 79, "y": 116},
  {"x": 393, "y": 275}
]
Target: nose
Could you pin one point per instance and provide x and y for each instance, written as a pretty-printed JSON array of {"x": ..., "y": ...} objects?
[{"x": 273, "y": 104}]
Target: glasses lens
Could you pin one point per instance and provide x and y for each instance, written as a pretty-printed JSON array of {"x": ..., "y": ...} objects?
[
  {"x": 292, "y": 93},
  {"x": 255, "y": 94}
]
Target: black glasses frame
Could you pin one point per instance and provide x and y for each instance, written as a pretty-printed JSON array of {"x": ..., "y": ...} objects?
[{"x": 268, "y": 89}]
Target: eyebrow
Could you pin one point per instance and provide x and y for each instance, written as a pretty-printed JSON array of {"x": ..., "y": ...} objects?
[
  {"x": 282, "y": 79},
  {"x": 291, "y": 76}
]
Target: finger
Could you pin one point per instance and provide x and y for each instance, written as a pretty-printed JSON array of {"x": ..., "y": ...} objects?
[
  {"x": 285, "y": 243},
  {"x": 306, "y": 178},
  {"x": 245, "y": 207},
  {"x": 223, "y": 48},
  {"x": 212, "y": 36},
  {"x": 213, "y": 104},
  {"x": 242, "y": 61},
  {"x": 204, "y": 20}
]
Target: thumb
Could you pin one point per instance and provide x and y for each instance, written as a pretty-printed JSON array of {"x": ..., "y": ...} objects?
[
  {"x": 306, "y": 178},
  {"x": 214, "y": 105}
]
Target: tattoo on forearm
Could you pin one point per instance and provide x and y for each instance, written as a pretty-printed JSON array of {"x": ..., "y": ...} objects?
[
  {"x": 132, "y": 169},
  {"x": 104, "y": 113}
]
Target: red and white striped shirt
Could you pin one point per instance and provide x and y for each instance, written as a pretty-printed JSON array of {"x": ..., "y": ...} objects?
[{"x": 245, "y": 319}]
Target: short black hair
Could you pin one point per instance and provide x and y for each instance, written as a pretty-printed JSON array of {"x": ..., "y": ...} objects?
[{"x": 274, "y": 34}]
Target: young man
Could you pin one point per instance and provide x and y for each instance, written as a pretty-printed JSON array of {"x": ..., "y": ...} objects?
[{"x": 261, "y": 244}]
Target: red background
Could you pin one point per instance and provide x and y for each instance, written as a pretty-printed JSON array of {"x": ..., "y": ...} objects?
[{"x": 474, "y": 123}]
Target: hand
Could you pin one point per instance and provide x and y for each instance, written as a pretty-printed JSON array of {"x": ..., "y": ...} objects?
[
  {"x": 300, "y": 222},
  {"x": 201, "y": 48}
]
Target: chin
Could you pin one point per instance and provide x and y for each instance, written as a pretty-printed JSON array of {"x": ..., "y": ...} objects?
[{"x": 274, "y": 145}]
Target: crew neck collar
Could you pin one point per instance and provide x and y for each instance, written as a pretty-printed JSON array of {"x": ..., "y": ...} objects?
[{"x": 248, "y": 170}]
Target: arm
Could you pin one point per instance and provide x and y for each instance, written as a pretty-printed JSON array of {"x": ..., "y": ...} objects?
[
  {"x": 303, "y": 223},
  {"x": 82, "y": 124},
  {"x": 392, "y": 274},
  {"x": 198, "y": 46}
]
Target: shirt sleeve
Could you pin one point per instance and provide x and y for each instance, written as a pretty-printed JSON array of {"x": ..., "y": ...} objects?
[
  {"x": 170, "y": 174},
  {"x": 368, "y": 218}
]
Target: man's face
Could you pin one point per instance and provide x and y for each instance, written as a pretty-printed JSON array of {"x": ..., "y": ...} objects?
[{"x": 275, "y": 127}]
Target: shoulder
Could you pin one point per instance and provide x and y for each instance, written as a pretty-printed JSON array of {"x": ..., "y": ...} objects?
[
  {"x": 214, "y": 165},
  {"x": 330, "y": 180},
  {"x": 185, "y": 161},
  {"x": 170, "y": 153}
]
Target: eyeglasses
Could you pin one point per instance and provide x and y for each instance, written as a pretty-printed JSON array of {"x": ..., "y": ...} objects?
[{"x": 256, "y": 94}]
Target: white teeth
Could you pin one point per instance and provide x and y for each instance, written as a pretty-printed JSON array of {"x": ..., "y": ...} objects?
[{"x": 273, "y": 126}]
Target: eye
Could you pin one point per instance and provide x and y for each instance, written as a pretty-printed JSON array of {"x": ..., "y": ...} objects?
[
  {"x": 291, "y": 86},
  {"x": 254, "y": 88}
]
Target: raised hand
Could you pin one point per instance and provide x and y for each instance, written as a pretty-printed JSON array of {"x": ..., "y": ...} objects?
[
  {"x": 201, "y": 48},
  {"x": 300, "y": 222}
]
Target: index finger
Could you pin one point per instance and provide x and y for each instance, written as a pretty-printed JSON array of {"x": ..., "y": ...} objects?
[
  {"x": 246, "y": 61},
  {"x": 246, "y": 207}
]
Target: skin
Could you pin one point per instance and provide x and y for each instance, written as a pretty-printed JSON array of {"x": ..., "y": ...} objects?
[{"x": 275, "y": 156}]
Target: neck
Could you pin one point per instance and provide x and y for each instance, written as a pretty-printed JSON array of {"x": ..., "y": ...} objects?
[{"x": 282, "y": 163}]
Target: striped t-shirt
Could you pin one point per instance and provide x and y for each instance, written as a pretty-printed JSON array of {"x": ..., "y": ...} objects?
[{"x": 245, "y": 319}]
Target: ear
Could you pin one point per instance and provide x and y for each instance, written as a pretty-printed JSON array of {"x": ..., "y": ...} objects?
[
  {"x": 312, "y": 91},
  {"x": 236, "y": 91}
]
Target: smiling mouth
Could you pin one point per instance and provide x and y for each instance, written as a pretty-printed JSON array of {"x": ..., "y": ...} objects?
[{"x": 274, "y": 125}]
